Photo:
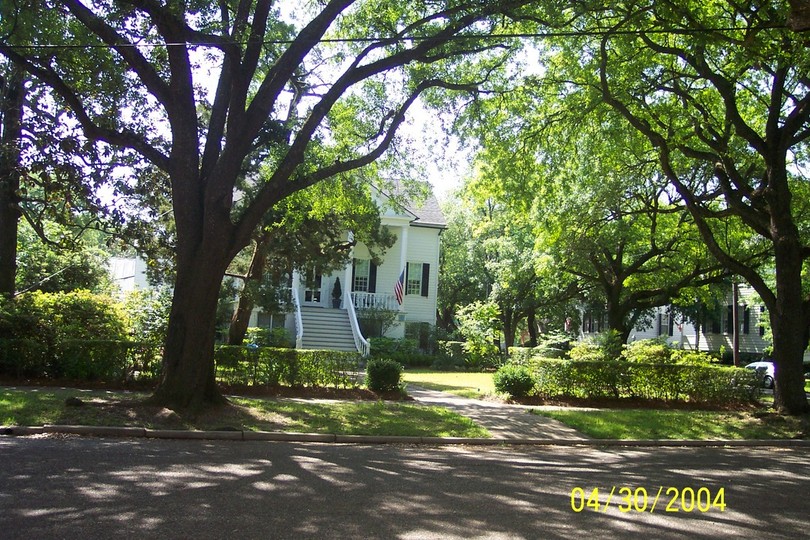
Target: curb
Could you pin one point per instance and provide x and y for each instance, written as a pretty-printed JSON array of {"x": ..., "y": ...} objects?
[{"x": 238, "y": 435}]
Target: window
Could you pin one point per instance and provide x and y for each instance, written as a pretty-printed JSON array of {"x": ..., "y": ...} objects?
[
  {"x": 361, "y": 272},
  {"x": 364, "y": 276},
  {"x": 267, "y": 319},
  {"x": 666, "y": 323},
  {"x": 417, "y": 279}
]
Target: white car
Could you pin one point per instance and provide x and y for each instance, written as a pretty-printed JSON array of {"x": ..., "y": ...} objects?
[{"x": 765, "y": 370}]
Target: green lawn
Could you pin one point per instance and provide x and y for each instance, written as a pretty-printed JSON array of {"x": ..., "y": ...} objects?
[
  {"x": 461, "y": 383},
  {"x": 34, "y": 407},
  {"x": 680, "y": 424}
]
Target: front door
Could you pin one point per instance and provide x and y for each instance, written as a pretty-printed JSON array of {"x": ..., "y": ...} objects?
[{"x": 312, "y": 291}]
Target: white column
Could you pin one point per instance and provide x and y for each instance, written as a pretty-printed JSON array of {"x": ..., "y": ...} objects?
[
  {"x": 347, "y": 275},
  {"x": 403, "y": 262}
]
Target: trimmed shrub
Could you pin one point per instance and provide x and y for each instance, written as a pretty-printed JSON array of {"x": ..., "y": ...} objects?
[
  {"x": 514, "y": 380},
  {"x": 268, "y": 337},
  {"x": 695, "y": 358},
  {"x": 648, "y": 351},
  {"x": 622, "y": 379},
  {"x": 269, "y": 366},
  {"x": 523, "y": 355},
  {"x": 586, "y": 351},
  {"x": 519, "y": 355},
  {"x": 383, "y": 375}
]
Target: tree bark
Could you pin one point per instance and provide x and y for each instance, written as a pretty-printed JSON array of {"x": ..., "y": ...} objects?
[
  {"x": 241, "y": 316},
  {"x": 791, "y": 327},
  {"x": 509, "y": 328},
  {"x": 531, "y": 322},
  {"x": 617, "y": 322},
  {"x": 188, "y": 378},
  {"x": 11, "y": 105}
]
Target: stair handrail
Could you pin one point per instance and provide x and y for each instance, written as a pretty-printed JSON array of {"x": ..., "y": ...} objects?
[
  {"x": 362, "y": 344},
  {"x": 299, "y": 323}
]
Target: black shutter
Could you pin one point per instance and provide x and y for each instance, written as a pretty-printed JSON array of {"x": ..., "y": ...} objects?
[
  {"x": 761, "y": 317},
  {"x": 425, "y": 278},
  {"x": 747, "y": 321},
  {"x": 372, "y": 277},
  {"x": 730, "y": 320}
]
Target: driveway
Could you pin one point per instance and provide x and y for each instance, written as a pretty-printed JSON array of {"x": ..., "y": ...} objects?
[{"x": 87, "y": 488}]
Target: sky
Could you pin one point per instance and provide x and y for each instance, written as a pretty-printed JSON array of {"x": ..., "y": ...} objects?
[{"x": 446, "y": 162}]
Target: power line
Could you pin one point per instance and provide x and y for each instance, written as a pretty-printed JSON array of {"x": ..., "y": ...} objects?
[{"x": 411, "y": 39}]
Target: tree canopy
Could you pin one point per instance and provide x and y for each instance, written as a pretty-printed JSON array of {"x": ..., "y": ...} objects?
[{"x": 209, "y": 100}]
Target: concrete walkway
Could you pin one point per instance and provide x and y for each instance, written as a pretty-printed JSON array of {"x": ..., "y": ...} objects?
[{"x": 502, "y": 420}]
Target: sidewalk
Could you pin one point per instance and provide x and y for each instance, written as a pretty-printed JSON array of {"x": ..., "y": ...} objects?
[{"x": 503, "y": 421}]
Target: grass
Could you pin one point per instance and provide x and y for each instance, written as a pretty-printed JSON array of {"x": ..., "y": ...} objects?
[
  {"x": 41, "y": 406},
  {"x": 461, "y": 383},
  {"x": 681, "y": 424}
]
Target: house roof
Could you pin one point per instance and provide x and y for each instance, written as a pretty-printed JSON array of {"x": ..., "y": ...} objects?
[{"x": 426, "y": 212}]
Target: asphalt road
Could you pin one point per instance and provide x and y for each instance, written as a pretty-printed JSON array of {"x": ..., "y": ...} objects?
[{"x": 86, "y": 488}]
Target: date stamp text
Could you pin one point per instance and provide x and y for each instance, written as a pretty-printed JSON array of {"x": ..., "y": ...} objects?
[{"x": 638, "y": 499}]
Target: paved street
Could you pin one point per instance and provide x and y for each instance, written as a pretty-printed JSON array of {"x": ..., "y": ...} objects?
[{"x": 71, "y": 487}]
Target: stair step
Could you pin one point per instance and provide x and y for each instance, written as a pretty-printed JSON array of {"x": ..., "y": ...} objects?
[{"x": 328, "y": 329}]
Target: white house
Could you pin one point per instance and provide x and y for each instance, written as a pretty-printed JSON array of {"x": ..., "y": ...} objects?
[{"x": 411, "y": 266}]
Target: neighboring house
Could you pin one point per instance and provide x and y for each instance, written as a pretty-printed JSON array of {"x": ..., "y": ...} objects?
[
  {"x": 128, "y": 273},
  {"x": 716, "y": 330}
]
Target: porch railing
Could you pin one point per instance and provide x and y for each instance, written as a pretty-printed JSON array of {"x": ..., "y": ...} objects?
[
  {"x": 362, "y": 344},
  {"x": 364, "y": 300}
]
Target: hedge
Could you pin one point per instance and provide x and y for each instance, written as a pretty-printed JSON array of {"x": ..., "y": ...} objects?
[
  {"x": 404, "y": 351},
  {"x": 622, "y": 379},
  {"x": 90, "y": 360},
  {"x": 122, "y": 361},
  {"x": 269, "y": 366}
]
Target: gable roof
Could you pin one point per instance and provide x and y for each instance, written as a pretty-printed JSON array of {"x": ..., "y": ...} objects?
[
  {"x": 425, "y": 213},
  {"x": 428, "y": 214}
]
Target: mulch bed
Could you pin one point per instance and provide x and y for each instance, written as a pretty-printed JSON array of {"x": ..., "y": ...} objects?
[{"x": 238, "y": 390}]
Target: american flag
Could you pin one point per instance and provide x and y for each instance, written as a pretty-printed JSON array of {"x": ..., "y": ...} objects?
[{"x": 399, "y": 287}]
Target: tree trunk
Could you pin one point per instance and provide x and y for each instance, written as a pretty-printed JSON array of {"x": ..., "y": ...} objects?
[
  {"x": 188, "y": 378},
  {"x": 509, "y": 328},
  {"x": 241, "y": 316},
  {"x": 617, "y": 323},
  {"x": 531, "y": 321},
  {"x": 790, "y": 325},
  {"x": 11, "y": 104}
]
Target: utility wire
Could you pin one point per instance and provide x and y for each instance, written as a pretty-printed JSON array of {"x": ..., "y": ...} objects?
[{"x": 406, "y": 39}]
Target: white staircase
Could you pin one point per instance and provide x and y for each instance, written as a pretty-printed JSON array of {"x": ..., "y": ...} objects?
[{"x": 327, "y": 329}]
